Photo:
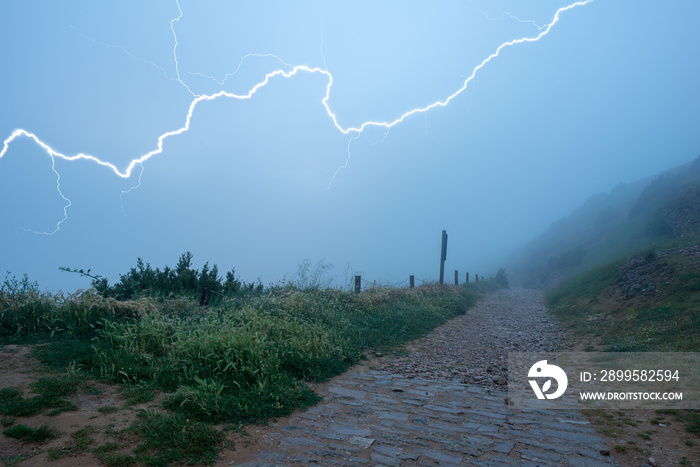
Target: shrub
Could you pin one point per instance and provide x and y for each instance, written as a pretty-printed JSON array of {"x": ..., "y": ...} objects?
[
  {"x": 30, "y": 435},
  {"x": 501, "y": 278}
]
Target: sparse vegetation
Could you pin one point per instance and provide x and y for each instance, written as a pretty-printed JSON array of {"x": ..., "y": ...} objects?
[
  {"x": 80, "y": 443},
  {"x": 52, "y": 392},
  {"x": 30, "y": 435}
]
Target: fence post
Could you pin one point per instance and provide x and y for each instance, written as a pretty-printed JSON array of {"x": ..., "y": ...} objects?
[
  {"x": 443, "y": 256},
  {"x": 456, "y": 277},
  {"x": 467, "y": 278},
  {"x": 358, "y": 284},
  {"x": 476, "y": 278},
  {"x": 412, "y": 281}
]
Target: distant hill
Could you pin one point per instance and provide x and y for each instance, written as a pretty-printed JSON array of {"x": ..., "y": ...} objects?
[{"x": 608, "y": 226}]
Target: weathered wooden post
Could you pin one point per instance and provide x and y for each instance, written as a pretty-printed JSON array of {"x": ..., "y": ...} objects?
[
  {"x": 411, "y": 281},
  {"x": 456, "y": 277},
  {"x": 476, "y": 278},
  {"x": 467, "y": 278},
  {"x": 358, "y": 284},
  {"x": 206, "y": 295},
  {"x": 443, "y": 256}
]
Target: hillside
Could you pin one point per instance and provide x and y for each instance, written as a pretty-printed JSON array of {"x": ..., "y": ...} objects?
[{"x": 608, "y": 226}]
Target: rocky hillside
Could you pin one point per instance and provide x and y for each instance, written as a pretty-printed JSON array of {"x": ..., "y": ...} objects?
[{"x": 630, "y": 219}]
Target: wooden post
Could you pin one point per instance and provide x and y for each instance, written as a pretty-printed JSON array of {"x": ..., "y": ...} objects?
[
  {"x": 456, "y": 277},
  {"x": 206, "y": 295},
  {"x": 412, "y": 281},
  {"x": 476, "y": 278},
  {"x": 358, "y": 284},
  {"x": 467, "y": 278},
  {"x": 443, "y": 256}
]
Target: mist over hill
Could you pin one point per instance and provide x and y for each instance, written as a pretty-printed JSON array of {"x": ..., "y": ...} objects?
[{"x": 629, "y": 219}]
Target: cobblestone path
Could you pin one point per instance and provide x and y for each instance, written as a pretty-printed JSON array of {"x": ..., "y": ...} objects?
[{"x": 383, "y": 417}]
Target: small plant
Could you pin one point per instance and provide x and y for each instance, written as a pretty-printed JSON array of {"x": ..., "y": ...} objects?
[
  {"x": 7, "y": 421},
  {"x": 171, "y": 438},
  {"x": 107, "y": 455},
  {"x": 651, "y": 254},
  {"x": 621, "y": 449},
  {"x": 108, "y": 409},
  {"x": 30, "y": 435},
  {"x": 52, "y": 395},
  {"x": 80, "y": 444},
  {"x": 139, "y": 394}
]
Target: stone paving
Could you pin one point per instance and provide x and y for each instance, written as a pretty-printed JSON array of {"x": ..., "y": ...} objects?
[{"x": 371, "y": 418}]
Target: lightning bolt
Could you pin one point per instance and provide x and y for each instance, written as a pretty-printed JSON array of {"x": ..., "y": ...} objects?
[
  {"x": 353, "y": 131},
  {"x": 126, "y": 192},
  {"x": 177, "y": 65},
  {"x": 504, "y": 15},
  {"x": 65, "y": 207}
]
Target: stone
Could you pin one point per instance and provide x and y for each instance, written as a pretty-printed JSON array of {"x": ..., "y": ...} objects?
[
  {"x": 361, "y": 441},
  {"x": 301, "y": 442},
  {"x": 398, "y": 416},
  {"x": 441, "y": 456},
  {"x": 505, "y": 448},
  {"x": 385, "y": 460},
  {"x": 347, "y": 392},
  {"x": 349, "y": 430}
]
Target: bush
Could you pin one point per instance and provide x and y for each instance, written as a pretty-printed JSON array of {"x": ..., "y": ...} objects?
[
  {"x": 501, "y": 278},
  {"x": 143, "y": 280}
]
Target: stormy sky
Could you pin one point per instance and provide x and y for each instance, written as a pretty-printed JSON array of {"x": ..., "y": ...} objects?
[{"x": 608, "y": 94}]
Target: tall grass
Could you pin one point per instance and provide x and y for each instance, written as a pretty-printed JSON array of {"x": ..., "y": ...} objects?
[{"x": 240, "y": 360}]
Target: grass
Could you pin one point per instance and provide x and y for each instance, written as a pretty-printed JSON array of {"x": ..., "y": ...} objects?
[
  {"x": 246, "y": 363},
  {"x": 80, "y": 443},
  {"x": 592, "y": 306},
  {"x": 690, "y": 418},
  {"x": 169, "y": 438},
  {"x": 7, "y": 421},
  {"x": 30, "y": 435},
  {"x": 240, "y": 360},
  {"x": 52, "y": 394}
]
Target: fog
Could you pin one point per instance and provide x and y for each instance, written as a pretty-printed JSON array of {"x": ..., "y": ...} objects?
[{"x": 608, "y": 95}]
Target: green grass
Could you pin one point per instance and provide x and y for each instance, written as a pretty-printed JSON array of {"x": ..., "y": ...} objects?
[
  {"x": 691, "y": 418},
  {"x": 30, "y": 435},
  {"x": 80, "y": 443},
  {"x": 248, "y": 362},
  {"x": 52, "y": 394},
  {"x": 589, "y": 305},
  {"x": 169, "y": 438},
  {"x": 240, "y": 360},
  {"x": 7, "y": 421}
]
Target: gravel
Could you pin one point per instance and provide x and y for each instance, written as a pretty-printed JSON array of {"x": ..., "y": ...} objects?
[{"x": 474, "y": 348}]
